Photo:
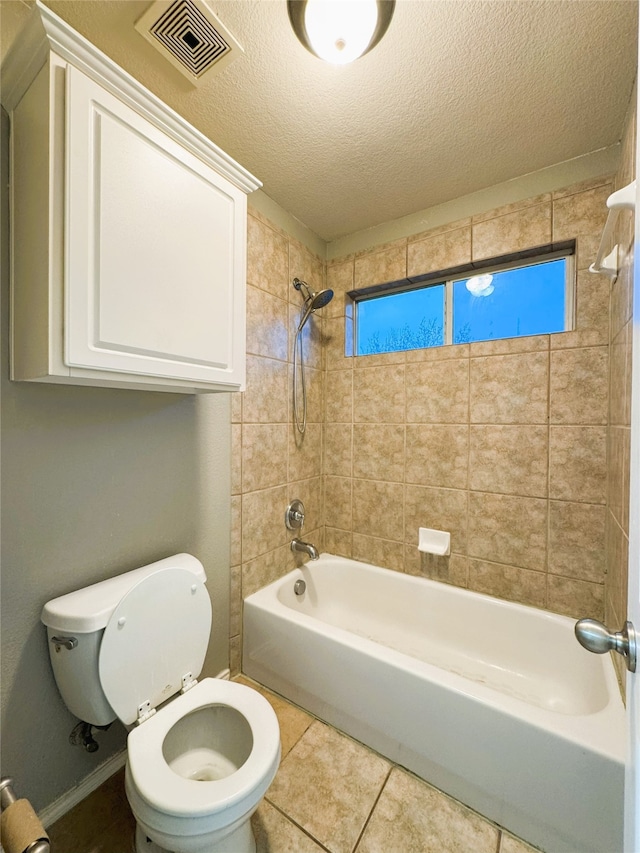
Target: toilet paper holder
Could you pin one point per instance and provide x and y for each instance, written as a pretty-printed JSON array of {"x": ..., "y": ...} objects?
[
  {"x": 6, "y": 793},
  {"x": 7, "y": 798}
]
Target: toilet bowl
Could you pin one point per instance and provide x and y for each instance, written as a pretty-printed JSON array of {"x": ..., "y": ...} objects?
[
  {"x": 201, "y": 755},
  {"x": 198, "y": 769}
]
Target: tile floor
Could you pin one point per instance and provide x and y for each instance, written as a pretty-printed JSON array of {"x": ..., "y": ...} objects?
[{"x": 331, "y": 795}]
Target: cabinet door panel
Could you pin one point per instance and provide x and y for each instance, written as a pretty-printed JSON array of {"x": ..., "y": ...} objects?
[
  {"x": 153, "y": 272},
  {"x": 155, "y": 260}
]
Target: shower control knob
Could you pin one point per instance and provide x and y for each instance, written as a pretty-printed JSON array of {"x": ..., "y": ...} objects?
[
  {"x": 597, "y": 638},
  {"x": 294, "y": 515}
]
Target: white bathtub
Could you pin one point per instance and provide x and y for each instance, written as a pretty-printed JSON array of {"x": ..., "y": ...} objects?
[{"x": 492, "y": 702}]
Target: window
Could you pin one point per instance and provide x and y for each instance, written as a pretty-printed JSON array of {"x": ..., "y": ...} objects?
[
  {"x": 401, "y": 321},
  {"x": 511, "y": 300}
]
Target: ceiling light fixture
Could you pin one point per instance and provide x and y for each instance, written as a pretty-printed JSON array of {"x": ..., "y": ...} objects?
[{"x": 340, "y": 31}]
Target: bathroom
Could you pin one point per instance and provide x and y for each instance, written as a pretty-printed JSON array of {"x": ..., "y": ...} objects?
[{"x": 99, "y": 481}]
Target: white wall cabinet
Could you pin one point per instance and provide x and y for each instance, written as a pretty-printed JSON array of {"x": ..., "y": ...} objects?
[{"x": 128, "y": 229}]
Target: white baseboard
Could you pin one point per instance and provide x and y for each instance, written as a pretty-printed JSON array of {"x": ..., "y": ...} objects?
[
  {"x": 66, "y": 802},
  {"x": 225, "y": 674}
]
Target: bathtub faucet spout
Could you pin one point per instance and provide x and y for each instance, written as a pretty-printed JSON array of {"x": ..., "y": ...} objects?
[{"x": 305, "y": 548}]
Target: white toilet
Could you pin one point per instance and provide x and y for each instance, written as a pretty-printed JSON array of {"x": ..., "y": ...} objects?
[{"x": 198, "y": 766}]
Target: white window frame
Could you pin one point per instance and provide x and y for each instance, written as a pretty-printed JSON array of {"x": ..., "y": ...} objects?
[{"x": 449, "y": 280}]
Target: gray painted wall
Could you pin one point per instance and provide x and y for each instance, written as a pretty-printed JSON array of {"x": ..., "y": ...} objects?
[{"x": 94, "y": 482}]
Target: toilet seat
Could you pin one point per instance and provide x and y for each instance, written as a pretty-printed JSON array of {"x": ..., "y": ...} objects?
[
  {"x": 170, "y": 794},
  {"x": 155, "y": 638}
]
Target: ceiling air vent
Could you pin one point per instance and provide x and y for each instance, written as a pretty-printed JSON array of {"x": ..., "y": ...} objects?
[{"x": 190, "y": 36}]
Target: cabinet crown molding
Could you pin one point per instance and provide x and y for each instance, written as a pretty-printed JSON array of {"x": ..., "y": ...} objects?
[{"x": 45, "y": 32}]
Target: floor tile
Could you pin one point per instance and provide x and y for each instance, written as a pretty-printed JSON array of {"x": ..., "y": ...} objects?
[
  {"x": 322, "y": 799},
  {"x": 509, "y": 844},
  {"x": 275, "y": 834},
  {"x": 119, "y": 838},
  {"x": 293, "y": 721},
  {"x": 413, "y": 817},
  {"x": 328, "y": 785},
  {"x": 76, "y": 831}
]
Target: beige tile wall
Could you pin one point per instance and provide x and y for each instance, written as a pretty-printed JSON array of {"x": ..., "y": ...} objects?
[
  {"x": 502, "y": 443},
  {"x": 271, "y": 464},
  {"x": 619, "y": 433}
]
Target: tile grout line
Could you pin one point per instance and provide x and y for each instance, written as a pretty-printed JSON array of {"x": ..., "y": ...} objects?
[
  {"x": 405, "y": 401},
  {"x": 435, "y": 486},
  {"x": 298, "y": 826},
  {"x": 373, "y": 808}
]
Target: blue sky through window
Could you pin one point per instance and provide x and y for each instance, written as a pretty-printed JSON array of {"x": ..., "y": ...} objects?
[
  {"x": 516, "y": 302},
  {"x": 401, "y": 321},
  {"x": 524, "y": 301}
]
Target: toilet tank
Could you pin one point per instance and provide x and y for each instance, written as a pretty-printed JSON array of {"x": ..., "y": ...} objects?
[{"x": 77, "y": 620}]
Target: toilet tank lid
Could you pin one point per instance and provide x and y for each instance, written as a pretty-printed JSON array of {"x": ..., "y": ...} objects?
[{"x": 89, "y": 609}]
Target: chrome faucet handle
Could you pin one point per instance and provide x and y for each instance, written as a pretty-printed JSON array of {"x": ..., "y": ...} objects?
[
  {"x": 294, "y": 515},
  {"x": 597, "y": 638}
]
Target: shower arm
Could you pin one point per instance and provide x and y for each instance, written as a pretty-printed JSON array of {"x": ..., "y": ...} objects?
[{"x": 299, "y": 284}]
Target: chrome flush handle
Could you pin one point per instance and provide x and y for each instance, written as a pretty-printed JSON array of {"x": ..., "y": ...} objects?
[
  {"x": 67, "y": 642},
  {"x": 597, "y": 638}
]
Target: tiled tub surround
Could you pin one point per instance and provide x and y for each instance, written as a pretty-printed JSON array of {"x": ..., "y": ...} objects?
[
  {"x": 272, "y": 464},
  {"x": 619, "y": 430},
  {"x": 503, "y": 443},
  {"x": 500, "y": 707},
  {"x": 508, "y": 444},
  {"x": 331, "y": 795}
]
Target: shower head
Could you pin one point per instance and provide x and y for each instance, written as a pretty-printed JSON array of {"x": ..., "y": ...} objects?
[
  {"x": 312, "y": 301},
  {"x": 321, "y": 298}
]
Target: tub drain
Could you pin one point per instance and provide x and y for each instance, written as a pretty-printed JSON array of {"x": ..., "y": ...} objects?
[{"x": 299, "y": 587}]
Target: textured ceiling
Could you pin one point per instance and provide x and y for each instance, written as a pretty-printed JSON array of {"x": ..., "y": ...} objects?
[{"x": 458, "y": 96}]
